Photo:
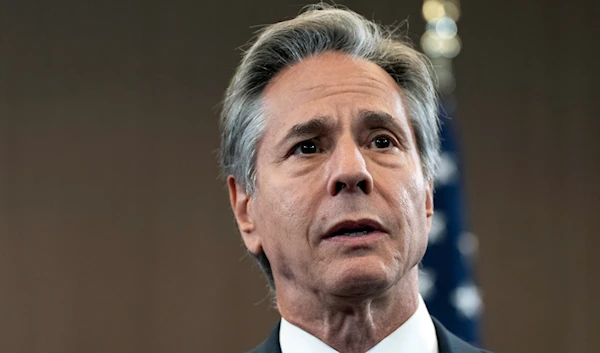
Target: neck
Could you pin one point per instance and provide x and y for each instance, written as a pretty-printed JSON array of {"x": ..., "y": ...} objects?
[{"x": 351, "y": 325}]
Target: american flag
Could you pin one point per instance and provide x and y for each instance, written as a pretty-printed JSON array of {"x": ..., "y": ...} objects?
[{"x": 446, "y": 274}]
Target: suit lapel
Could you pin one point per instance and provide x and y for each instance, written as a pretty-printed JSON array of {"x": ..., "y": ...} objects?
[{"x": 449, "y": 343}]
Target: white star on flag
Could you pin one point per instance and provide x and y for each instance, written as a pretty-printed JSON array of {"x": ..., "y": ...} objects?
[{"x": 467, "y": 300}]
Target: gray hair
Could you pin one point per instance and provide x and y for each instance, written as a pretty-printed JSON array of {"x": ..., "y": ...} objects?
[{"x": 321, "y": 28}]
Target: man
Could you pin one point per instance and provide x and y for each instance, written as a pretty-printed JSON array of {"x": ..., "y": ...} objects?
[{"x": 330, "y": 145}]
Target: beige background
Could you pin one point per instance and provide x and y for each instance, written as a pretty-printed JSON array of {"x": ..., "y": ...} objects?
[{"x": 115, "y": 233}]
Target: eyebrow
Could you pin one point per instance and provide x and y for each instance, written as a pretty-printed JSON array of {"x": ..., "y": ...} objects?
[
  {"x": 378, "y": 119},
  {"x": 323, "y": 125},
  {"x": 314, "y": 127}
]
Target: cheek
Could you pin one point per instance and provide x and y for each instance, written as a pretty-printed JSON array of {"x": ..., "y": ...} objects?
[
  {"x": 411, "y": 208},
  {"x": 283, "y": 216},
  {"x": 283, "y": 223},
  {"x": 417, "y": 218}
]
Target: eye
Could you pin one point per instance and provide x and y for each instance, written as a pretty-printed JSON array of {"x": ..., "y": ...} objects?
[
  {"x": 306, "y": 147},
  {"x": 382, "y": 142}
]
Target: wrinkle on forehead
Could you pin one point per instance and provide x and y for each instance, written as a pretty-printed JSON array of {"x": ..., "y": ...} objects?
[
  {"x": 324, "y": 66},
  {"x": 365, "y": 80}
]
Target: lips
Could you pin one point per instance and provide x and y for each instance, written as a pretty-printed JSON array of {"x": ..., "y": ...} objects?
[{"x": 354, "y": 228}]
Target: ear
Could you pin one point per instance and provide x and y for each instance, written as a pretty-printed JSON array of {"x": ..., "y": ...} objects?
[
  {"x": 241, "y": 205},
  {"x": 429, "y": 202}
]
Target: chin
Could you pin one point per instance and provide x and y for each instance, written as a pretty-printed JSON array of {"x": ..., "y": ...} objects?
[{"x": 362, "y": 278}]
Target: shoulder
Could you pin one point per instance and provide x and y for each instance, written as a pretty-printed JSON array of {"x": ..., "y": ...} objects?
[
  {"x": 450, "y": 343},
  {"x": 271, "y": 344}
]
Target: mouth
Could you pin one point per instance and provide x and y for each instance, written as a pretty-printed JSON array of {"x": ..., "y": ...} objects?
[{"x": 359, "y": 228}]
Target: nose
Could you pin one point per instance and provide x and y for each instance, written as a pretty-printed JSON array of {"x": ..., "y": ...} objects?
[{"x": 348, "y": 171}]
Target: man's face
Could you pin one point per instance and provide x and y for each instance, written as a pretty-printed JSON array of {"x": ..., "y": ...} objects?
[{"x": 342, "y": 205}]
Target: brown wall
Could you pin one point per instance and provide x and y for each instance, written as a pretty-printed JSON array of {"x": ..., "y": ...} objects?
[{"x": 115, "y": 233}]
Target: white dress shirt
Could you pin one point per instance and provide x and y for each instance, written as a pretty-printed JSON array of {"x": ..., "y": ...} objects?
[{"x": 416, "y": 335}]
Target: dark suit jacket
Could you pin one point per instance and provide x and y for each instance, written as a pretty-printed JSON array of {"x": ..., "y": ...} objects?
[{"x": 447, "y": 341}]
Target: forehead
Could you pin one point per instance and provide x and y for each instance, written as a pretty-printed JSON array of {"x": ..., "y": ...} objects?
[{"x": 335, "y": 85}]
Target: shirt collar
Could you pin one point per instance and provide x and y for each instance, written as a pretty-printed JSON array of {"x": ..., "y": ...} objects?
[{"x": 416, "y": 335}]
